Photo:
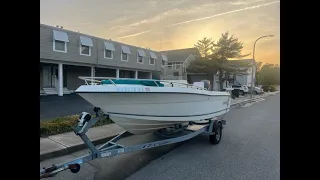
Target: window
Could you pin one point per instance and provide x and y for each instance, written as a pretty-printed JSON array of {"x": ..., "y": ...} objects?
[
  {"x": 151, "y": 62},
  {"x": 85, "y": 46},
  {"x": 60, "y": 40},
  {"x": 163, "y": 63},
  {"x": 178, "y": 65},
  {"x": 164, "y": 59},
  {"x": 140, "y": 59},
  {"x": 85, "y": 50},
  {"x": 124, "y": 56},
  {"x": 59, "y": 46},
  {"x": 140, "y": 55},
  {"x": 170, "y": 65},
  {"x": 108, "y": 54},
  {"x": 108, "y": 50},
  {"x": 125, "y": 53},
  {"x": 175, "y": 73},
  {"x": 152, "y": 58}
]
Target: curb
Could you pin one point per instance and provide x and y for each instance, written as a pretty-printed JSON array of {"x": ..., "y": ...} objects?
[
  {"x": 72, "y": 149},
  {"x": 253, "y": 99}
]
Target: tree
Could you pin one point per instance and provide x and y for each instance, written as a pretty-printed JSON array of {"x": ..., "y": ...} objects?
[
  {"x": 258, "y": 69},
  {"x": 204, "y": 46},
  {"x": 269, "y": 74},
  {"x": 227, "y": 47}
]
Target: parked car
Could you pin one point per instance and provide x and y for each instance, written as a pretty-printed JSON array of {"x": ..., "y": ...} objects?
[
  {"x": 243, "y": 89},
  {"x": 256, "y": 90}
]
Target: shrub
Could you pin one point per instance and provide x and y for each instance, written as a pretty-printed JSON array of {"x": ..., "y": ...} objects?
[
  {"x": 64, "y": 124},
  {"x": 266, "y": 88}
]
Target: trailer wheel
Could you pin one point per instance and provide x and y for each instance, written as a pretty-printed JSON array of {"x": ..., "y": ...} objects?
[
  {"x": 74, "y": 168},
  {"x": 215, "y": 139}
]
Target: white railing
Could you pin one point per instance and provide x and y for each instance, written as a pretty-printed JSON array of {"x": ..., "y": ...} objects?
[
  {"x": 189, "y": 59},
  {"x": 97, "y": 80}
]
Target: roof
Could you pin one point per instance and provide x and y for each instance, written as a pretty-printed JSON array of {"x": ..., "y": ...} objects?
[
  {"x": 180, "y": 54},
  {"x": 87, "y": 35},
  {"x": 243, "y": 60}
]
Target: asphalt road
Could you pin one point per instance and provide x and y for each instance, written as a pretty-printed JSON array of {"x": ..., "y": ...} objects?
[
  {"x": 56, "y": 106},
  {"x": 249, "y": 150}
]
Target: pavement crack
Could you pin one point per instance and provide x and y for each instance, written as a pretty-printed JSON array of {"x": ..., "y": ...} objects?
[{"x": 58, "y": 142}]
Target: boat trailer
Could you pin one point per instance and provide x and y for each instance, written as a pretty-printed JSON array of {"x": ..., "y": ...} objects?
[{"x": 211, "y": 127}]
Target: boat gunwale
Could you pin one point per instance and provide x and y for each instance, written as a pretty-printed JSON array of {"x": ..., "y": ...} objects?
[
  {"x": 116, "y": 92},
  {"x": 94, "y": 79}
]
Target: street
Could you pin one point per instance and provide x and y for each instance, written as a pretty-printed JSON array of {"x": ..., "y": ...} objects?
[{"x": 249, "y": 149}]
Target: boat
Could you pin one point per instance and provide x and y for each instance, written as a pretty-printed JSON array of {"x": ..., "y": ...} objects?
[{"x": 143, "y": 106}]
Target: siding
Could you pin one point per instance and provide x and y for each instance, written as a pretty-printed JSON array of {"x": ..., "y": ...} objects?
[
  {"x": 73, "y": 47},
  {"x": 97, "y": 51},
  {"x": 242, "y": 79}
]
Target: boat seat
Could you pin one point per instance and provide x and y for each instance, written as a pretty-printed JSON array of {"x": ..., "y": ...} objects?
[{"x": 133, "y": 82}]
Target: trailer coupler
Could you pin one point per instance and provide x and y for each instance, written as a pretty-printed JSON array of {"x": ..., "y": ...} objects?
[{"x": 52, "y": 171}]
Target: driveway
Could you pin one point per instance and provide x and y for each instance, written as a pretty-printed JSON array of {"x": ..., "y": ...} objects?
[{"x": 55, "y": 106}]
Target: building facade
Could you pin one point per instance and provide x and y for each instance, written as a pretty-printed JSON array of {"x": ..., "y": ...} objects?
[
  {"x": 234, "y": 79},
  {"x": 65, "y": 55},
  {"x": 246, "y": 78},
  {"x": 178, "y": 61}
]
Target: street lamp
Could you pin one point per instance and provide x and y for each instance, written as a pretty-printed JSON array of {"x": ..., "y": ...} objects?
[{"x": 253, "y": 61}]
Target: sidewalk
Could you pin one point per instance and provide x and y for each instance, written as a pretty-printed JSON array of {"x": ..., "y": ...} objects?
[{"x": 66, "y": 143}]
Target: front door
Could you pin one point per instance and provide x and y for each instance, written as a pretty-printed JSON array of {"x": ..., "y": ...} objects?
[
  {"x": 47, "y": 76},
  {"x": 55, "y": 77}
]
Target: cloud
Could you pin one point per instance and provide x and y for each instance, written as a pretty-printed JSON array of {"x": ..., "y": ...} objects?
[
  {"x": 221, "y": 14},
  {"x": 192, "y": 20},
  {"x": 136, "y": 34},
  {"x": 156, "y": 18},
  {"x": 239, "y": 2},
  {"x": 84, "y": 23}
]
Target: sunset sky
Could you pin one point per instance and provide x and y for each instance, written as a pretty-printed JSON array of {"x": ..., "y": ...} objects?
[{"x": 171, "y": 24}]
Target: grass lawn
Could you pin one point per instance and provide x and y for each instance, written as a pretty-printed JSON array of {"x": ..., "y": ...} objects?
[{"x": 64, "y": 124}]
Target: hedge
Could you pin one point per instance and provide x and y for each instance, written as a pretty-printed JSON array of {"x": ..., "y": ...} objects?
[
  {"x": 266, "y": 88},
  {"x": 65, "y": 124}
]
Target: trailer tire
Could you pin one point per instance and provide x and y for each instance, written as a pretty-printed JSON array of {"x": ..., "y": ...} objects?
[
  {"x": 75, "y": 169},
  {"x": 216, "y": 137}
]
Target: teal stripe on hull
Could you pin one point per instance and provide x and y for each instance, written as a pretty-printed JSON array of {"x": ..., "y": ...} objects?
[{"x": 133, "y": 82}]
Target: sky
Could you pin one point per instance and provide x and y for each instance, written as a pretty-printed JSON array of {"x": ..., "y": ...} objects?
[{"x": 172, "y": 24}]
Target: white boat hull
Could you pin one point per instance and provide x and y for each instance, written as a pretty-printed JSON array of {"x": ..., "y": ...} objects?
[{"x": 144, "y": 112}]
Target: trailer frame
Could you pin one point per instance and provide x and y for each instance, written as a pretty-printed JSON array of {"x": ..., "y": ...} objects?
[{"x": 212, "y": 127}]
